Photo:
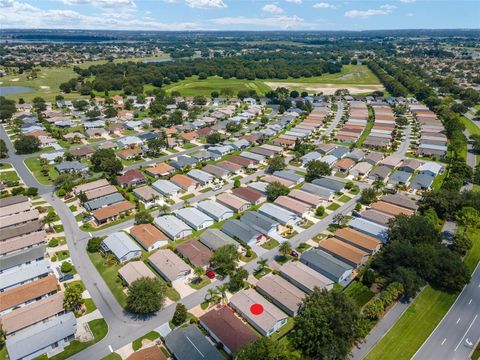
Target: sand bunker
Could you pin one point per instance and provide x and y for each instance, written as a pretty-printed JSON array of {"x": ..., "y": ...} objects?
[
  {"x": 45, "y": 87},
  {"x": 326, "y": 89},
  {"x": 16, "y": 79}
]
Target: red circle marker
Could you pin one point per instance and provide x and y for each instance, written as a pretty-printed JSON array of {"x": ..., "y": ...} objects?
[{"x": 256, "y": 309}]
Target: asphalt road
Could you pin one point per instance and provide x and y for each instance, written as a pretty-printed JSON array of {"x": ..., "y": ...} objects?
[
  {"x": 459, "y": 331},
  {"x": 336, "y": 119}
]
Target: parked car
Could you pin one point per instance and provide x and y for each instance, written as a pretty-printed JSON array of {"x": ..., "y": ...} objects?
[
  {"x": 68, "y": 196},
  {"x": 294, "y": 253},
  {"x": 210, "y": 274}
]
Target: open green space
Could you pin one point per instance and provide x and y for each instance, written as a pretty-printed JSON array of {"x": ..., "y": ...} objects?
[
  {"x": 360, "y": 293},
  {"x": 421, "y": 318},
  {"x": 9, "y": 176},
  {"x": 152, "y": 335},
  {"x": 33, "y": 164},
  {"x": 471, "y": 127}
]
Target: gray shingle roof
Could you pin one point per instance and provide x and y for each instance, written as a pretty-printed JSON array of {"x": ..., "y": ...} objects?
[
  {"x": 237, "y": 229},
  {"x": 259, "y": 222},
  {"x": 328, "y": 265},
  {"x": 214, "y": 209},
  {"x": 103, "y": 201},
  {"x": 120, "y": 244},
  {"x": 188, "y": 343},
  {"x": 214, "y": 239},
  {"x": 19, "y": 258}
]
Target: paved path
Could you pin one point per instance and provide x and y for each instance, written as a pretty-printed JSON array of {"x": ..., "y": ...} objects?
[
  {"x": 336, "y": 119},
  {"x": 459, "y": 331}
]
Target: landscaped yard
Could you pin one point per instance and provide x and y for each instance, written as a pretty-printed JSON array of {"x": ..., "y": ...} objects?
[
  {"x": 186, "y": 197},
  {"x": 198, "y": 285},
  {"x": 62, "y": 255},
  {"x": 9, "y": 176},
  {"x": 359, "y": 293},
  {"x": 270, "y": 244},
  {"x": 260, "y": 274},
  {"x": 344, "y": 198},
  {"x": 152, "y": 335},
  {"x": 33, "y": 164},
  {"x": 333, "y": 206}
]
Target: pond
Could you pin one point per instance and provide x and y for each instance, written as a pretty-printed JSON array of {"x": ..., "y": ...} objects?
[{"x": 10, "y": 90}]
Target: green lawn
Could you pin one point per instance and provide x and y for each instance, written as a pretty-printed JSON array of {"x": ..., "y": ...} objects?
[
  {"x": 270, "y": 244},
  {"x": 344, "y": 198},
  {"x": 33, "y": 164},
  {"x": 186, "y": 197},
  {"x": 137, "y": 344},
  {"x": 198, "y": 285},
  {"x": 99, "y": 329},
  {"x": 112, "y": 356},
  {"x": 9, "y": 176},
  {"x": 259, "y": 274},
  {"x": 189, "y": 146},
  {"x": 62, "y": 255},
  {"x": 333, "y": 206},
  {"x": 368, "y": 128},
  {"x": 470, "y": 125},
  {"x": 421, "y": 318},
  {"x": 359, "y": 293},
  {"x": 90, "y": 305}
]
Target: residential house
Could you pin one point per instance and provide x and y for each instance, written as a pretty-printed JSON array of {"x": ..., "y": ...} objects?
[
  {"x": 391, "y": 209},
  {"x": 260, "y": 222},
  {"x": 297, "y": 207},
  {"x": 166, "y": 187},
  {"x": 188, "y": 343},
  {"x": 268, "y": 322},
  {"x": 361, "y": 169},
  {"x": 343, "y": 251},
  {"x": 129, "y": 141},
  {"x": 194, "y": 218},
  {"x": 214, "y": 239},
  {"x": 71, "y": 167},
  {"x": 283, "y": 294},
  {"x": 304, "y": 277},
  {"x": 184, "y": 182},
  {"x": 121, "y": 246},
  {"x": 239, "y": 335},
  {"x": 173, "y": 227},
  {"x": 149, "y": 236},
  {"x": 328, "y": 265},
  {"x": 380, "y": 173},
  {"x": 90, "y": 186},
  {"x": 104, "y": 201},
  {"x": 196, "y": 253},
  {"x": 129, "y": 154},
  {"x": 311, "y": 200},
  {"x": 213, "y": 209},
  {"x": 202, "y": 177},
  {"x": 232, "y": 202},
  {"x": 169, "y": 265},
  {"x": 324, "y": 193},
  {"x": 148, "y": 196},
  {"x": 216, "y": 171},
  {"x": 83, "y": 152},
  {"x": 252, "y": 196},
  {"x": 290, "y": 176},
  {"x": 241, "y": 231},
  {"x": 24, "y": 274},
  {"x": 160, "y": 169},
  {"x": 278, "y": 213},
  {"x": 370, "y": 228},
  {"x": 135, "y": 270},
  {"x": 400, "y": 200},
  {"x": 111, "y": 212},
  {"x": 330, "y": 182},
  {"x": 360, "y": 240},
  {"x": 183, "y": 161},
  {"x": 131, "y": 177},
  {"x": 400, "y": 177},
  {"x": 422, "y": 182}
]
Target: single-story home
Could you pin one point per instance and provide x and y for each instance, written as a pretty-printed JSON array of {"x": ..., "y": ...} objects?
[
  {"x": 149, "y": 236},
  {"x": 241, "y": 231},
  {"x": 215, "y": 210},
  {"x": 304, "y": 277},
  {"x": 358, "y": 239},
  {"x": 264, "y": 224},
  {"x": 172, "y": 226},
  {"x": 282, "y": 293},
  {"x": 166, "y": 187},
  {"x": 201, "y": 176},
  {"x": 328, "y": 265},
  {"x": 194, "y": 218},
  {"x": 189, "y": 343},
  {"x": 347, "y": 253},
  {"x": 214, "y": 239},
  {"x": 148, "y": 196},
  {"x": 169, "y": 265},
  {"x": 131, "y": 177},
  {"x": 232, "y": 202},
  {"x": 135, "y": 270},
  {"x": 197, "y": 253},
  {"x": 121, "y": 246},
  {"x": 184, "y": 182},
  {"x": 278, "y": 213}
]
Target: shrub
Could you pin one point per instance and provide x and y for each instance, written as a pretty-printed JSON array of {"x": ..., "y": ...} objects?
[
  {"x": 93, "y": 244},
  {"x": 320, "y": 211},
  {"x": 66, "y": 267},
  {"x": 53, "y": 243}
]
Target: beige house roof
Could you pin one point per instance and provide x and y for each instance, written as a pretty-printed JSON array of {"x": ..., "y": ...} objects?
[
  {"x": 99, "y": 192},
  {"x": 22, "y": 242},
  {"x": 344, "y": 251},
  {"x": 282, "y": 291},
  {"x": 244, "y": 299},
  {"x": 168, "y": 263},
  {"x": 292, "y": 204},
  {"x": 14, "y": 219},
  {"x": 272, "y": 178},
  {"x": 358, "y": 239},
  {"x": 147, "y": 193},
  {"x": 147, "y": 234},
  {"x": 306, "y": 197},
  {"x": 90, "y": 186},
  {"x": 231, "y": 201},
  {"x": 135, "y": 270},
  {"x": 33, "y": 313},
  {"x": 390, "y": 208},
  {"x": 15, "y": 208},
  {"x": 305, "y": 275}
]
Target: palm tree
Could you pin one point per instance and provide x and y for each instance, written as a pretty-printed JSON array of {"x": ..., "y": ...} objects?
[
  {"x": 262, "y": 264},
  {"x": 164, "y": 209},
  {"x": 222, "y": 292},
  {"x": 198, "y": 272},
  {"x": 378, "y": 184},
  {"x": 211, "y": 295},
  {"x": 285, "y": 248}
]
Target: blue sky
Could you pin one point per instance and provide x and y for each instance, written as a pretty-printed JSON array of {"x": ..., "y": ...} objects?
[{"x": 239, "y": 14}]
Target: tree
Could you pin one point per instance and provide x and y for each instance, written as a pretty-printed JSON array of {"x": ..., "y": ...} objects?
[
  {"x": 276, "y": 163},
  {"x": 338, "y": 219},
  {"x": 224, "y": 259},
  {"x": 104, "y": 160},
  {"x": 327, "y": 325},
  {"x": 66, "y": 267},
  {"x": 222, "y": 292},
  {"x": 236, "y": 183},
  {"x": 180, "y": 315},
  {"x": 320, "y": 211},
  {"x": 198, "y": 272},
  {"x": 7, "y": 108},
  {"x": 39, "y": 104},
  {"x": 26, "y": 144},
  {"x": 212, "y": 296},
  {"x": 214, "y": 138},
  {"x": 413, "y": 229},
  {"x": 143, "y": 217},
  {"x": 316, "y": 169},
  {"x": 110, "y": 112},
  {"x": 368, "y": 196},
  {"x": 49, "y": 218},
  {"x": 378, "y": 184},
  {"x": 145, "y": 295},
  {"x": 262, "y": 264},
  {"x": 468, "y": 217},
  {"x": 461, "y": 242},
  {"x": 72, "y": 299},
  {"x": 3, "y": 149},
  {"x": 374, "y": 309},
  {"x": 275, "y": 189},
  {"x": 93, "y": 244},
  {"x": 237, "y": 278},
  {"x": 285, "y": 248},
  {"x": 264, "y": 348}
]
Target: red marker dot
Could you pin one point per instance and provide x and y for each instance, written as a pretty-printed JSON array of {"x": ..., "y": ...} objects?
[{"x": 256, "y": 309}]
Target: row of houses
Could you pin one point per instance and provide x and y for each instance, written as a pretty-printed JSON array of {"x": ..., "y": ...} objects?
[
  {"x": 382, "y": 132},
  {"x": 432, "y": 141},
  {"x": 356, "y": 123},
  {"x": 32, "y": 315}
]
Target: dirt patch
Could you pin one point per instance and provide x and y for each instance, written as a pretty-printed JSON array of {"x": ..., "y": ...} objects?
[
  {"x": 16, "y": 79},
  {"x": 45, "y": 87},
  {"x": 327, "y": 89}
]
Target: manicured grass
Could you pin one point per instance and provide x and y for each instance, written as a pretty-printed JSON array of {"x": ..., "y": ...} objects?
[
  {"x": 86, "y": 227},
  {"x": 112, "y": 356},
  {"x": 206, "y": 190},
  {"x": 109, "y": 273},
  {"x": 3, "y": 353},
  {"x": 99, "y": 329},
  {"x": 359, "y": 293},
  {"x": 90, "y": 305},
  {"x": 270, "y": 244},
  {"x": 344, "y": 198},
  {"x": 186, "y": 197},
  {"x": 189, "y": 146},
  {"x": 9, "y": 176},
  {"x": 198, "y": 285},
  {"x": 152, "y": 335},
  {"x": 5, "y": 166},
  {"x": 58, "y": 228},
  {"x": 471, "y": 127},
  {"x": 333, "y": 206},
  {"x": 285, "y": 329},
  {"x": 258, "y": 275},
  {"x": 302, "y": 247},
  {"x": 62, "y": 255},
  {"x": 33, "y": 164},
  {"x": 476, "y": 353},
  {"x": 413, "y": 328},
  {"x": 307, "y": 224},
  {"x": 368, "y": 128},
  {"x": 421, "y": 318}
]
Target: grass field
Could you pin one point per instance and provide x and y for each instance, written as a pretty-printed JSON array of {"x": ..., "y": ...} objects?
[
  {"x": 421, "y": 318},
  {"x": 33, "y": 164},
  {"x": 48, "y": 79},
  {"x": 359, "y": 293},
  {"x": 9, "y": 176},
  {"x": 357, "y": 77},
  {"x": 470, "y": 125},
  {"x": 152, "y": 335}
]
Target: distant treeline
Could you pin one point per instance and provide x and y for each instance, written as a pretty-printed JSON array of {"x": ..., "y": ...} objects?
[{"x": 132, "y": 76}]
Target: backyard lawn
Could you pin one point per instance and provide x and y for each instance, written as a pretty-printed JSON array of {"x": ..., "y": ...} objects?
[{"x": 359, "y": 292}]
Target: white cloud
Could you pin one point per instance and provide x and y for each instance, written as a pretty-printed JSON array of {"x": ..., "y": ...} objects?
[
  {"x": 102, "y": 3},
  {"x": 294, "y": 1},
  {"x": 407, "y": 1},
  {"x": 206, "y": 4},
  {"x": 272, "y": 9},
  {"x": 410, "y": 14},
  {"x": 324, "y": 5},
  {"x": 382, "y": 10},
  {"x": 278, "y": 22},
  {"x": 16, "y": 6}
]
